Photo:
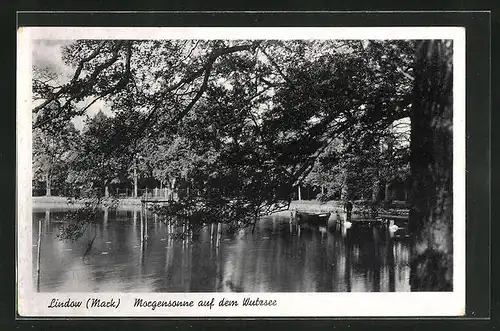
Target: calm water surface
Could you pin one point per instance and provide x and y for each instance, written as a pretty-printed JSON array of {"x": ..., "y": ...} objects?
[{"x": 277, "y": 257}]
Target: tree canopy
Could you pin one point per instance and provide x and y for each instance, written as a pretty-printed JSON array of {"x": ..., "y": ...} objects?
[{"x": 238, "y": 122}]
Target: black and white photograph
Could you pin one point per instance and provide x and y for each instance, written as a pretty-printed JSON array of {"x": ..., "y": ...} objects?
[{"x": 245, "y": 166}]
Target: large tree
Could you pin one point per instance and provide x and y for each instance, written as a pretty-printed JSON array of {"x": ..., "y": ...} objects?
[
  {"x": 338, "y": 110},
  {"x": 431, "y": 217}
]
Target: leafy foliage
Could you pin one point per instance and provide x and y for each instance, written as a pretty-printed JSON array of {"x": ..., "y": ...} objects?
[
  {"x": 53, "y": 151},
  {"x": 236, "y": 123}
]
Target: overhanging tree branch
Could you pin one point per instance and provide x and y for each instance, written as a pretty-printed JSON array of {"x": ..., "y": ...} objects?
[
  {"x": 205, "y": 71},
  {"x": 277, "y": 67},
  {"x": 66, "y": 88}
]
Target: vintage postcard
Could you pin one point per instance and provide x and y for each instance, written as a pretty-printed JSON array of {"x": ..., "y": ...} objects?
[{"x": 240, "y": 172}]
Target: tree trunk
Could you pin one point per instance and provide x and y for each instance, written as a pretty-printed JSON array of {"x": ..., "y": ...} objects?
[
  {"x": 135, "y": 181},
  {"x": 390, "y": 152},
  {"x": 387, "y": 192},
  {"x": 375, "y": 188},
  {"x": 344, "y": 193},
  {"x": 172, "y": 190},
  {"x": 47, "y": 185},
  {"x": 431, "y": 168}
]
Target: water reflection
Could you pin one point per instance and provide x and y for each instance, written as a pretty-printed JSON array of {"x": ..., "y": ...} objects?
[{"x": 132, "y": 254}]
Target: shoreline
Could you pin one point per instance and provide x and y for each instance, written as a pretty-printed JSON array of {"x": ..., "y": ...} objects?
[
  {"x": 303, "y": 205},
  {"x": 55, "y": 202},
  {"x": 313, "y": 206}
]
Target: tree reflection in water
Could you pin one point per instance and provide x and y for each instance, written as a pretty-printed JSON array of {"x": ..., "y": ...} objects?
[{"x": 278, "y": 257}]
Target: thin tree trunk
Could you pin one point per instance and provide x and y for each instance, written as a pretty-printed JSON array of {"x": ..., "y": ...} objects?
[
  {"x": 344, "y": 194},
  {"x": 135, "y": 181},
  {"x": 48, "y": 185},
  {"x": 375, "y": 188},
  {"x": 172, "y": 190},
  {"x": 390, "y": 150},
  {"x": 431, "y": 168},
  {"x": 387, "y": 192}
]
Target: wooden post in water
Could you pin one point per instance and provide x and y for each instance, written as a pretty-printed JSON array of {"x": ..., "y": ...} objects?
[
  {"x": 141, "y": 252},
  {"x": 39, "y": 254},
  {"x": 145, "y": 222},
  {"x": 141, "y": 222}
]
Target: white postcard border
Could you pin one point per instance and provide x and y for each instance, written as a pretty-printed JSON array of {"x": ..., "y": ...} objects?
[{"x": 31, "y": 303}]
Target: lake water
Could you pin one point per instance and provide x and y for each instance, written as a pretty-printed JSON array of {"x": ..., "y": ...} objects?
[{"x": 277, "y": 257}]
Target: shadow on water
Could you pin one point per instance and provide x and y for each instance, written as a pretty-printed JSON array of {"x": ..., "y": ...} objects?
[{"x": 280, "y": 256}]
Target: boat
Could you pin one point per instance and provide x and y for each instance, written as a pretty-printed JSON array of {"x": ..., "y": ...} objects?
[{"x": 313, "y": 218}]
